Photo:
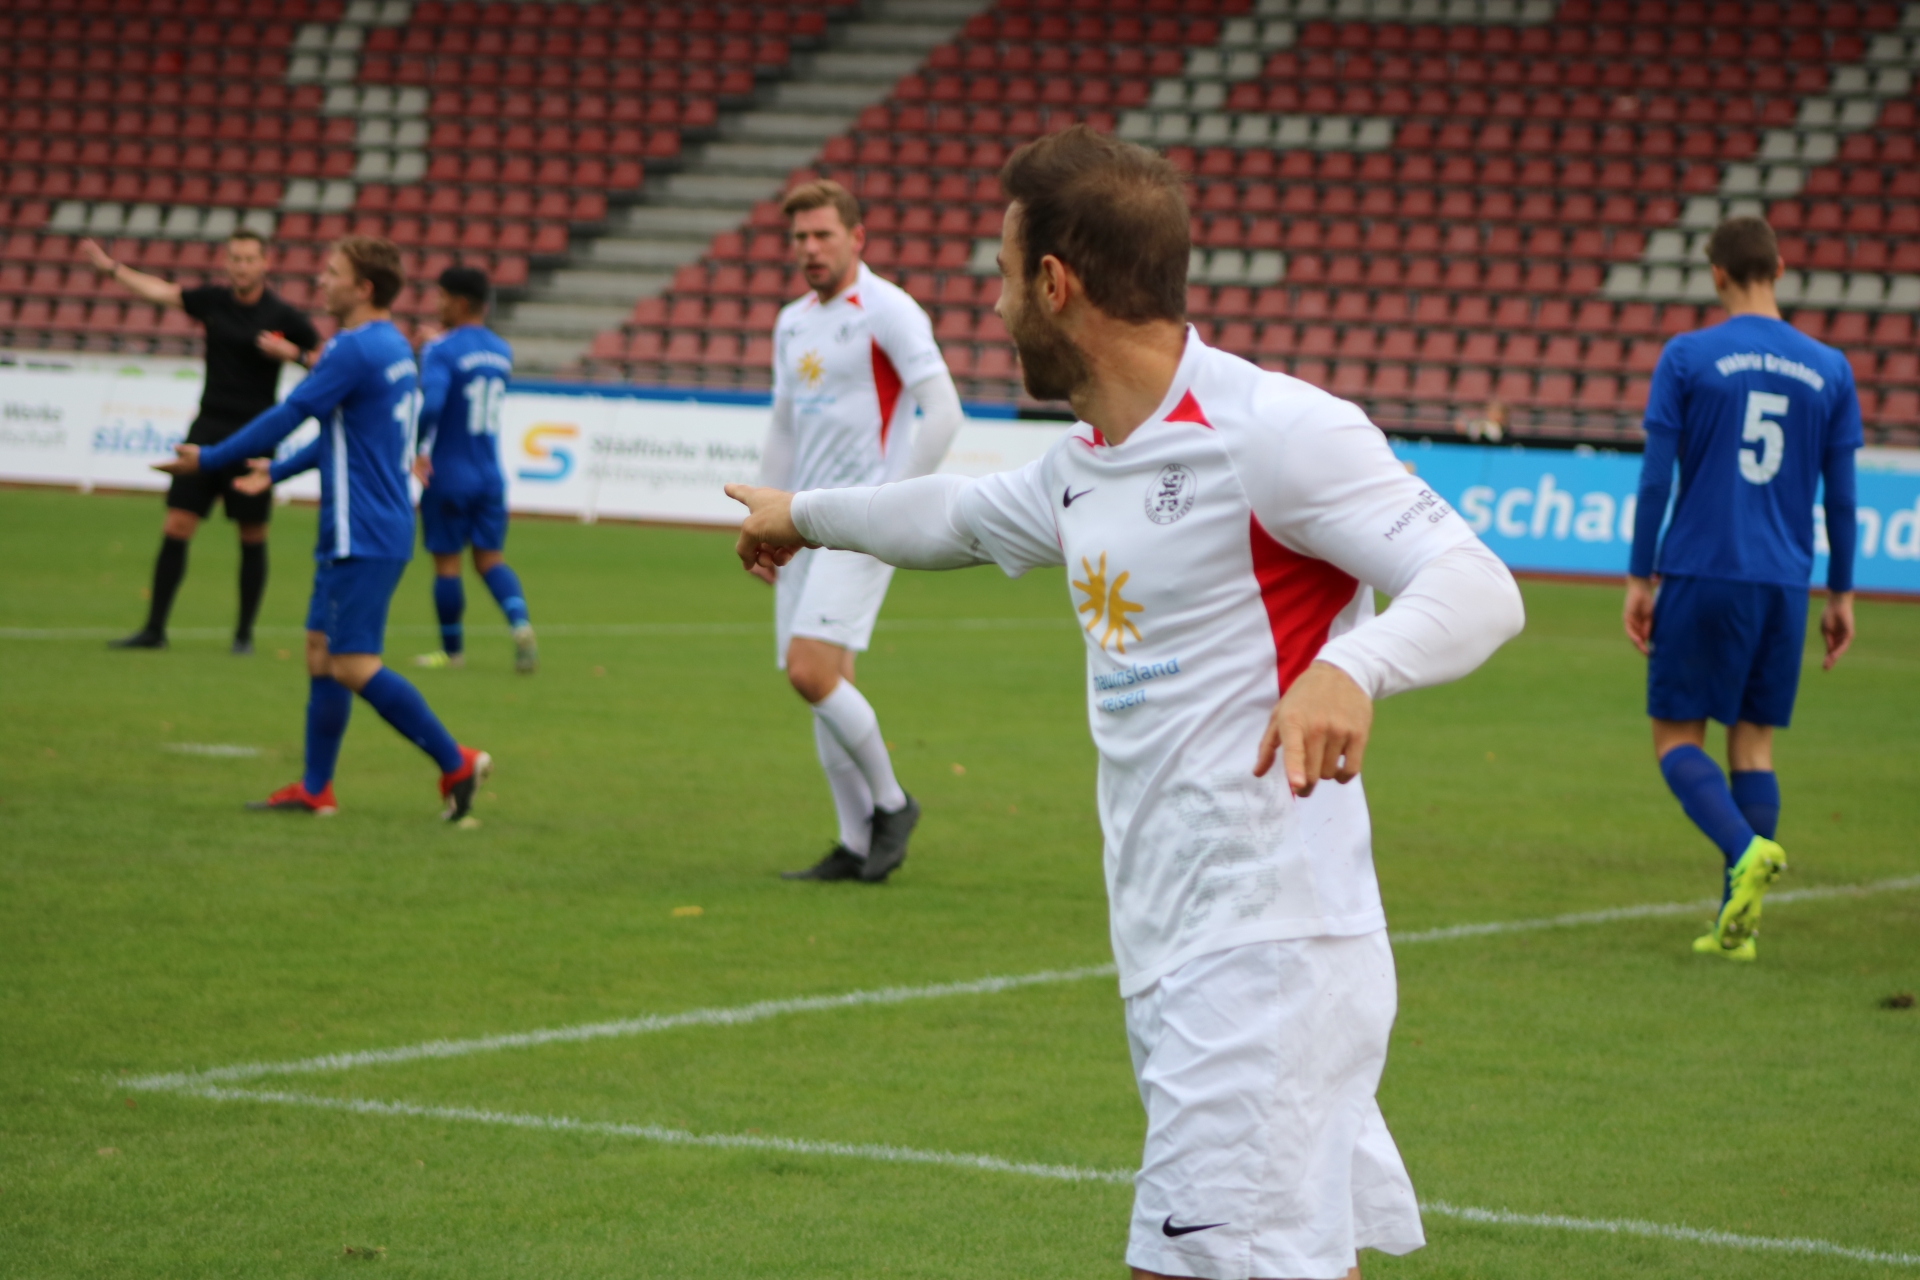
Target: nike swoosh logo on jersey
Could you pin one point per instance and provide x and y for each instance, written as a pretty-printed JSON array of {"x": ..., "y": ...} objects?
[
  {"x": 1068, "y": 497},
  {"x": 1168, "y": 1229}
]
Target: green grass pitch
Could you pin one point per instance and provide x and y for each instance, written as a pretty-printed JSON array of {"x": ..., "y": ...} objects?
[{"x": 658, "y": 761}]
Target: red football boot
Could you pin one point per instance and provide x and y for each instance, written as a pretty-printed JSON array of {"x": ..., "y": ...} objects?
[
  {"x": 457, "y": 788},
  {"x": 295, "y": 798}
]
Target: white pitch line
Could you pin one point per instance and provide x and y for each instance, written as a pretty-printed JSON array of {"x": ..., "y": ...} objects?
[
  {"x": 232, "y": 749},
  {"x": 1662, "y": 1231},
  {"x": 675, "y": 1137},
  {"x": 733, "y": 1016},
  {"x": 890, "y": 1154},
  {"x": 737, "y": 1015},
  {"x": 1649, "y": 910}
]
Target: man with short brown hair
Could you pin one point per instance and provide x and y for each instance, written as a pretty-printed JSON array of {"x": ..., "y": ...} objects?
[
  {"x": 1760, "y": 418},
  {"x": 364, "y": 391},
  {"x": 251, "y": 332},
  {"x": 852, "y": 361},
  {"x": 1223, "y": 529}
]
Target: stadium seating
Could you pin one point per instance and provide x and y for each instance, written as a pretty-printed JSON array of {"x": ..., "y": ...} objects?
[
  {"x": 1420, "y": 205},
  {"x": 463, "y": 131}
]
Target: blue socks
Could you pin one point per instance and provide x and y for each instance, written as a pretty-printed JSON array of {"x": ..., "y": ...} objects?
[
  {"x": 1697, "y": 783},
  {"x": 1757, "y": 792},
  {"x": 505, "y": 585},
  {"x": 328, "y": 705},
  {"x": 401, "y": 706},
  {"x": 450, "y": 602}
]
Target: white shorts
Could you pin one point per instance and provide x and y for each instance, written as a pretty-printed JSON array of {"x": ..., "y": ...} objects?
[
  {"x": 1266, "y": 1154},
  {"x": 828, "y": 595}
]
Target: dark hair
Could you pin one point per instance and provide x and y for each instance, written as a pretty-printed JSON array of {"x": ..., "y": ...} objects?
[
  {"x": 377, "y": 262},
  {"x": 1113, "y": 212},
  {"x": 248, "y": 233},
  {"x": 466, "y": 282},
  {"x": 818, "y": 195},
  {"x": 1745, "y": 248}
]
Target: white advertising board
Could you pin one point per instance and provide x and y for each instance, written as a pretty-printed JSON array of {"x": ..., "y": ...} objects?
[{"x": 101, "y": 422}]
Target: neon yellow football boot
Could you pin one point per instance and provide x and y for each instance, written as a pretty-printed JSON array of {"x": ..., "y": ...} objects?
[
  {"x": 1708, "y": 944},
  {"x": 440, "y": 661},
  {"x": 1747, "y": 885}
]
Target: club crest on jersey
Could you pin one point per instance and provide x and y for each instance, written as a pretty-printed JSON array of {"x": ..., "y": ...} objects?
[
  {"x": 1171, "y": 494},
  {"x": 810, "y": 368},
  {"x": 1106, "y": 607}
]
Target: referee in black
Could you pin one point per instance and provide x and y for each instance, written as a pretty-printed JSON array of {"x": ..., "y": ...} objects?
[{"x": 251, "y": 332}]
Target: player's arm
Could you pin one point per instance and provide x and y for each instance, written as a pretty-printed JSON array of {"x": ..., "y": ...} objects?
[
  {"x": 318, "y": 394},
  {"x": 905, "y": 334},
  {"x": 1842, "y": 502},
  {"x": 1662, "y": 422},
  {"x": 262, "y": 474},
  {"x": 152, "y": 289},
  {"x": 436, "y": 376},
  {"x": 940, "y": 419},
  {"x": 1337, "y": 494},
  {"x": 297, "y": 344},
  {"x": 930, "y": 522}
]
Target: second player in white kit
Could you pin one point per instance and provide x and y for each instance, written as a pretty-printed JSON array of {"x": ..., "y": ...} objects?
[
  {"x": 853, "y": 361},
  {"x": 1222, "y": 540}
]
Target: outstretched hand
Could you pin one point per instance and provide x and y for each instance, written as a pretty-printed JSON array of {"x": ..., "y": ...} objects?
[
  {"x": 257, "y": 479},
  {"x": 186, "y": 461},
  {"x": 768, "y": 537},
  {"x": 1318, "y": 730}
]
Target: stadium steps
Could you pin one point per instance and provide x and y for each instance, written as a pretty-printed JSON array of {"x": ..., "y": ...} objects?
[{"x": 748, "y": 159}]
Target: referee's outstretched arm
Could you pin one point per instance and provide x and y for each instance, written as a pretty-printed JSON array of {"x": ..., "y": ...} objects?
[{"x": 163, "y": 293}]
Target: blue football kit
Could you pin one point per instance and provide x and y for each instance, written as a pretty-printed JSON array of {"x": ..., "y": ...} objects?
[
  {"x": 463, "y": 380},
  {"x": 463, "y": 384},
  {"x": 1756, "y": 414},
  {"x": 364, "y": 391}
]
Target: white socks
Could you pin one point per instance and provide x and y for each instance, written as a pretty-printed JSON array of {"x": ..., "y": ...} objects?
[
  {"x": 850, "y": 719},
  {"x": 852, "y": 799}
]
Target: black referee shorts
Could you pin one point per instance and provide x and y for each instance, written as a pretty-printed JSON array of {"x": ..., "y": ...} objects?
[{"x": 197, "y": 492}]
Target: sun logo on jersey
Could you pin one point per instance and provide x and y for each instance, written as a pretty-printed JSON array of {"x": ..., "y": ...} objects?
[
  {"x": 1106, "y": 607},
  {"x": 811, "y": 369}
]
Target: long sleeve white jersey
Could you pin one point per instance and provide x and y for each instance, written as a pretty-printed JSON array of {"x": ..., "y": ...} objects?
[
  {"x": 843, "y": 373},
  {"x": 1228, "y": 542}
]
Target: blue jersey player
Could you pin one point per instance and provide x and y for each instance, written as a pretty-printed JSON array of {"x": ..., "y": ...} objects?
[
  {"x": 364, "y": 392},
  {"x": 463, "y": 381},
  {"x": 1756, "y": 414}
]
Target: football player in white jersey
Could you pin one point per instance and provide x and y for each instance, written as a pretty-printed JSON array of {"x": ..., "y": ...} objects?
[
  {"x": 852, "y": 360},
  {"x": 1223, "y": 530}
]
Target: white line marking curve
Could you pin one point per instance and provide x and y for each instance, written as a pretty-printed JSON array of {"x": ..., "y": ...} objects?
[
  {"x": 891, "y": 1154},
  {"x": 738, "y": 1015}
]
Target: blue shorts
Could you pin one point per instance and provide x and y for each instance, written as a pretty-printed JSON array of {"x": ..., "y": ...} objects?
[
  {"x": 350, "y": 599},
  {"x": 452, "y": 522},
  {"x": 1726, "y": 651}
]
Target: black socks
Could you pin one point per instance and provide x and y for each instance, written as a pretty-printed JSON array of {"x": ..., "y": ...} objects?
[
  {"x": 253, "y": 585},
  {"x": 168, "y": 569}
]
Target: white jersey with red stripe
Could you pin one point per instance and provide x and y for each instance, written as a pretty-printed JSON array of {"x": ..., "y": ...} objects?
[
  {"x": 1210, "y": 557},
  {"x": 847, "y": 365}
]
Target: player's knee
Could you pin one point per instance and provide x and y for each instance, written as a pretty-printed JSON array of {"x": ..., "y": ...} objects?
[
  {"x": 811, "y": 678},
  {"x": 179, "y": 524}
]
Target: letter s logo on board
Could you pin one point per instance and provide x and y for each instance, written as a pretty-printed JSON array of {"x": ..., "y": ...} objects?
[{"x": 551, "y": 460}]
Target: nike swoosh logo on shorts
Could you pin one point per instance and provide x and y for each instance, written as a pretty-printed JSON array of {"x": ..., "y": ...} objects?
[
  {"x": 1168, "y": 1229},
  {"x": 1068, "y": 497}
]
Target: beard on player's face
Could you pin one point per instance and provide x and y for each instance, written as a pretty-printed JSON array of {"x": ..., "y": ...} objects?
[{"x": 1051, "y": 366}]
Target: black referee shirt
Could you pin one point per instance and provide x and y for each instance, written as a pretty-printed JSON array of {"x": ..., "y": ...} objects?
[{"x": 242, "y": 382}]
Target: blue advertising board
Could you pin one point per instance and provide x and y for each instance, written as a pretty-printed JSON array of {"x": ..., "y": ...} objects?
[{"x": 1560, "y": 511}]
